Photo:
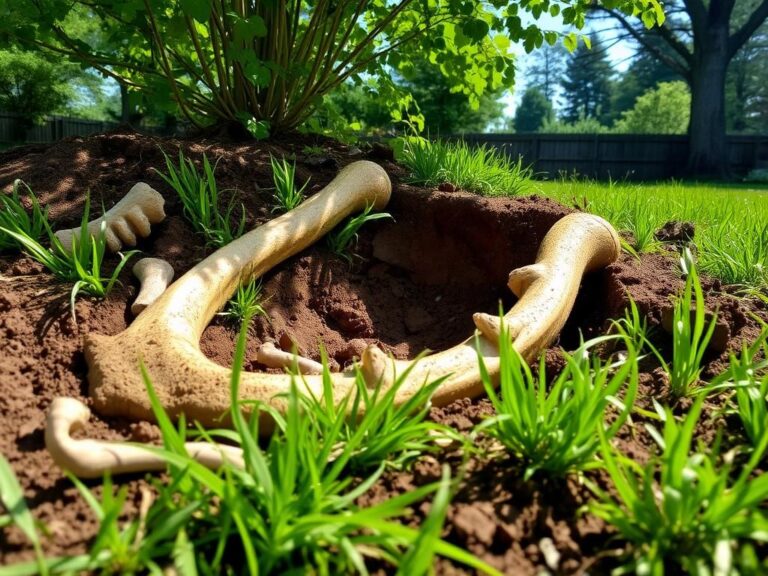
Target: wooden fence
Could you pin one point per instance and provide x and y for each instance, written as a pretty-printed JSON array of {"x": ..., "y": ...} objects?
[
  {"x": 618, "y": 156},
  {"x": 13, "y": 130}
]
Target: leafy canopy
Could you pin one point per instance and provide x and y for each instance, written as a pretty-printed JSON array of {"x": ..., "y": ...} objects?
[{"x": 267, "y": 65}]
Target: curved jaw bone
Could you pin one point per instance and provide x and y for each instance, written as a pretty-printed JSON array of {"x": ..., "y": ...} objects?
[{"x": 166, "y": 335}]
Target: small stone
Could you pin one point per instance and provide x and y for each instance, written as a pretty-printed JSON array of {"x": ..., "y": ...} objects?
[
  {"x": 322, "y": 162},
  {"x": 446, "y": 187}
]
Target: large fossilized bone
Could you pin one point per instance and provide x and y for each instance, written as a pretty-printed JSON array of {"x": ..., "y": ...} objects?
[
  {"x": 130, "y": 217},
  {"x": 166, "y": 335}
]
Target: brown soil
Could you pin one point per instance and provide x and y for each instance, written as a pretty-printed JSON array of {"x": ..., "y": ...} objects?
[{"x": 414, "y": 285}]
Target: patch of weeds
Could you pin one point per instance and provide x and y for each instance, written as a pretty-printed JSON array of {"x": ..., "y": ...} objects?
[
  {"x": 292, "y": 508},
  {"x": 247, "y": 303},
  {"x": 633, "y": 326},
  {"x": 82, "y": 266},
  {"x": 737, "y": 258},
  {"x": 747, "y": 374},
  {"x": 553, "y": 426},
  {"x": 15, "y": 218},
  {"x": 640, "y": 222},
  {"x": 373, "y": 428},
  {"x": 480, "y": 169},
  {"x": 199, "y": 194},
  {"x": 286, "y": 196},
  {"x": 684, "y": 511},
  {"x": 690, "y": 334},
  {"x": 341, "y": 238}
]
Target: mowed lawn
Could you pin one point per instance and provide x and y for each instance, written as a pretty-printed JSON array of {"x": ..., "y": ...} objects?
[{"x": 731, "y": 220}]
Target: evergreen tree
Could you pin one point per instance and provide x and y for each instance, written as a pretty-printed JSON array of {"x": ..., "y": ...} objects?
[
  {"x": 534, "y": 111},
  {"x": 546, "y": 70},
  {"x": 645, "y": 72},
  {"x": 587, "y": 83}
]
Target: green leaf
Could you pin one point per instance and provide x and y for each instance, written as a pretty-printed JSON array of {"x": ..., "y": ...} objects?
[
  {"x": 12, "y": 498},
  {"x": 475, "y": 29},
  {"x": 246, "y": 29},
  {"x": 200, "y": 10}
]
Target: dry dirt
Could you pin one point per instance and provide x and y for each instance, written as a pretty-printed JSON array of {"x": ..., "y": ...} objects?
[{"x": 414, "y": 285}]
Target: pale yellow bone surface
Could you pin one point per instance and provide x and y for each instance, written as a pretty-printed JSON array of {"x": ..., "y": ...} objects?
[
  {"x": 166, "y": 335},
  {"x": 92, "y": 458},
  {"x": 132, "y": 216},
  {"x": 154, "y": 275},
  {"x": 273, "y": 357}
]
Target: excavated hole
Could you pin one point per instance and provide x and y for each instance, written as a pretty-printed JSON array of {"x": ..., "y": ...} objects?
[{"x": 420, "y": 279}]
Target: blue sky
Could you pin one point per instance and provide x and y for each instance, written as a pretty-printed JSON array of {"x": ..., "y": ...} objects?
[{"x": 619, "y": 53}]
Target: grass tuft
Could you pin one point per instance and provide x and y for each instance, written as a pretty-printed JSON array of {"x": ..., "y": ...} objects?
[
  {"x": 247, "y": 303},
  {"x": 14, "y": 218},
  {"x": 82, "y": 266},
  {"x": 690, "y": 334},
  {"x": 341, "y": 238},
  {"x": 287, "y": 196},
  {"x": 553, "y": 427},
  {"x": 199, "y": 194},
  {"x": 684, "y": 510},
  {"x": 480, "y": 169}
]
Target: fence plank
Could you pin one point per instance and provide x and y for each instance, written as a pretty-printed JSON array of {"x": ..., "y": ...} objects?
[{"x": 617, "y": 156}]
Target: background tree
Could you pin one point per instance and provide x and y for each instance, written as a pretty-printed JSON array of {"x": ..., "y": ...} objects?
[
  {"x": 745, "y": 82},
  {"x": 267, "y": 65},
  {"x": 662, "y": 110},
  {"x": 30, "y": 86},
  {"x": 703, "y": 38},
  {"x": 587, "y": 83},
  {"x": 533, "y": 112},
  {"x": 546, "y": 69},
  {"x": 446, "y": 110},
  {"x": 645, "y": 72}
]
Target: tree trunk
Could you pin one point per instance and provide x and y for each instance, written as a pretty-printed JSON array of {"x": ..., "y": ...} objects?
[{"x": 708, "y": 151}]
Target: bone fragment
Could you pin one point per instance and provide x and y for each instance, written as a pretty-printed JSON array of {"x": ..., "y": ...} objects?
[
  {"x": 129, "y": 218},
  {"x": 167, "y": 334},
  {"x": 93, "y": 458},
  {"x": 271, "y": 356},
  {"x": 154, "y": 275}
]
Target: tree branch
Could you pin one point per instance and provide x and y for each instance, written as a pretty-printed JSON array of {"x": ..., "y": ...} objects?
[
  {"x": 740, "y": 37},
  {"x": 664, "y": 58}
]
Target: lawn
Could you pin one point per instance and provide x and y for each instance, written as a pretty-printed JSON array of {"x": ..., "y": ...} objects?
[{"x": 730, "y": 220}]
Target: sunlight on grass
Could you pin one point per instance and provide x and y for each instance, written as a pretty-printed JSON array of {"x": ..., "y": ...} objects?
[{"x": 731, "y": 220}]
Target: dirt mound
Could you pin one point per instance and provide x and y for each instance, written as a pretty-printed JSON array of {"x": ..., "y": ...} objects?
[{"x": 413, "y": 285}]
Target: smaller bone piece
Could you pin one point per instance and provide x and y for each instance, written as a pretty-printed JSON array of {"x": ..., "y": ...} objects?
[
  {"x": 93, "y": 458},
  {"x": 154, "y": 275},
  {"x": 132, "y": 216},
  {"x": 271, "y": 356}
]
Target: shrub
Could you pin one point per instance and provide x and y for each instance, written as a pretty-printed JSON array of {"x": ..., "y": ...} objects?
[{"x": 267, "y": 65}]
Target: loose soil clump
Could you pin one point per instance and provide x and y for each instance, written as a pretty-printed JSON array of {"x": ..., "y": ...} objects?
[{"x": 412, "y": 285}]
